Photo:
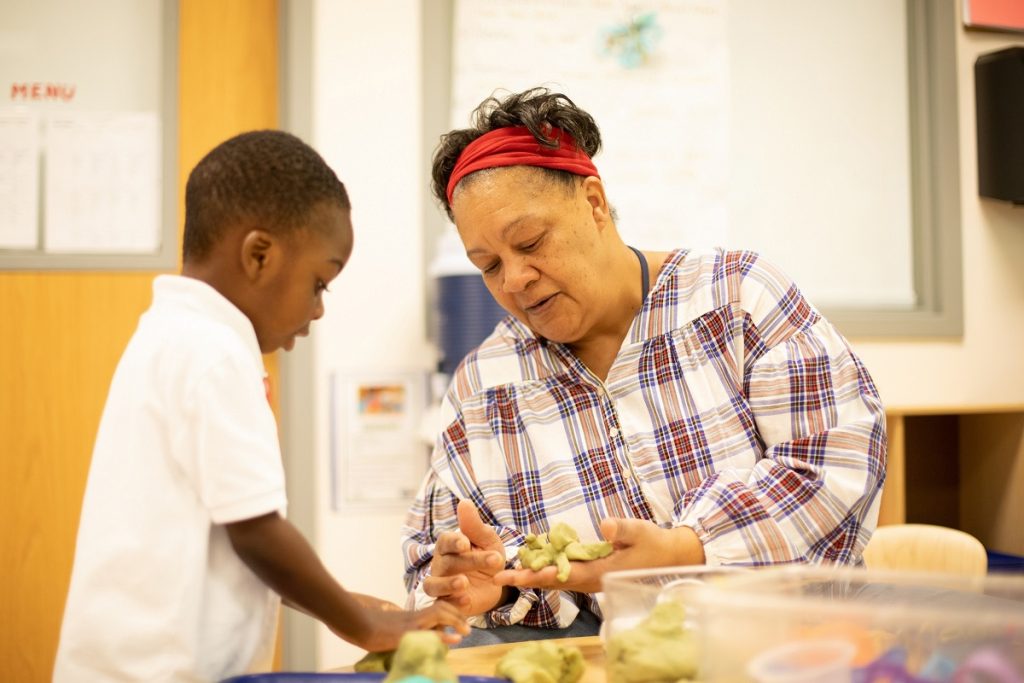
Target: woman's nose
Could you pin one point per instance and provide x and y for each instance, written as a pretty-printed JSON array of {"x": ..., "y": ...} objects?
[{"x": 518, "y": 274}]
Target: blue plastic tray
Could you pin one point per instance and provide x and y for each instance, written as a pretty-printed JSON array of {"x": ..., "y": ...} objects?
[{"x": 348, "y": 677}]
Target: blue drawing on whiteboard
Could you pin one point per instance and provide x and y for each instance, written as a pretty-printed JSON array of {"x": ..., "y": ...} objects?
[{"x": 632, "y": 42}]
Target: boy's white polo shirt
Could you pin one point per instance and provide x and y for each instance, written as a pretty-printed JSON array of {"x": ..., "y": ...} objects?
[{"x": 186, "y": 444}]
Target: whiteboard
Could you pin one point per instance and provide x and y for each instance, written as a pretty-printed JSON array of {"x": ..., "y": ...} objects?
[{"x": 777, "y": 126}]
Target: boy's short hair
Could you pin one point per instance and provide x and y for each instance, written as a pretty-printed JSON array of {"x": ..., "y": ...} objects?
[{"x": 267, "y": 177}]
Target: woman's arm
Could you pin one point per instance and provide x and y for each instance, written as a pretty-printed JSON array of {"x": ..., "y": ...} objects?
[{"x": 813, "y": 495}]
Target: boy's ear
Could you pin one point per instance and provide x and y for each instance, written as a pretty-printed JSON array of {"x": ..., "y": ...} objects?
[{"x": 257, "y": 252}]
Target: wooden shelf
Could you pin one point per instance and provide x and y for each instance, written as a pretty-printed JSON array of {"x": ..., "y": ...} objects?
[{"x": 960, "y": 467}]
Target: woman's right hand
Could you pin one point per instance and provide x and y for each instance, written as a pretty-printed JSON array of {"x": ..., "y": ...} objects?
[{"x": 464, "y": 564}]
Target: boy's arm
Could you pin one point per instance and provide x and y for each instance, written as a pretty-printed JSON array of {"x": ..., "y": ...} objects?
[{"x": 277, "y": 553}]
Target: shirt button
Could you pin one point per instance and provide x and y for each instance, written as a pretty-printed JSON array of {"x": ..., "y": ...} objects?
[
  {"x": 627, "y": 474},
  {"x": 613, "y": 432}
]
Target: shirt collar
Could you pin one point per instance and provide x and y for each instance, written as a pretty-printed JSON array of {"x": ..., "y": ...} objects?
[{"x": 196, "y": 295}]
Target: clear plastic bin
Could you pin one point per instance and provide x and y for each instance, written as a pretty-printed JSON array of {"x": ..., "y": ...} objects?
[
  {"x": 858, "y": 626},
  {"x": 661, "y": 653},
  {"x": 629, "y": 596}
]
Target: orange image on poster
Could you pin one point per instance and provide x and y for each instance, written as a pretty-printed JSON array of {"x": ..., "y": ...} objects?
[{"x": 382, "y": 399}]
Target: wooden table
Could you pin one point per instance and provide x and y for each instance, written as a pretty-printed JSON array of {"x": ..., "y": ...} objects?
[{"x": 480, "y": 661}]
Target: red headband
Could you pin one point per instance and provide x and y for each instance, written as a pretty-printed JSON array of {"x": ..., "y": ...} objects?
[{"x": 516, "y": 146}]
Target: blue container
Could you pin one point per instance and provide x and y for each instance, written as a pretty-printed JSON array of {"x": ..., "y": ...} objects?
[
  {"x": 467, "y": 314},
  {"x": 307, "y": 677},
  {"x": 1004, "y": 562}
]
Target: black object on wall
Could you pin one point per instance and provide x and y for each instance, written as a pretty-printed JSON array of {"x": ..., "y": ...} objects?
[{"x": 999, "y": 99}]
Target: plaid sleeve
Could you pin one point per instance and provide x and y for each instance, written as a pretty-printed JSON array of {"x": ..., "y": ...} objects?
[{"x": 814, "y": 495}]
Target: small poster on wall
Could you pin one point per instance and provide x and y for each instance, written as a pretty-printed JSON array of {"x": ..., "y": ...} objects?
[{"x": 378, "y": 455}]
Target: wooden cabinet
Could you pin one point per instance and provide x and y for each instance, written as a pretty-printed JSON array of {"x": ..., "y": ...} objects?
[{"x": 958, "y": 467}]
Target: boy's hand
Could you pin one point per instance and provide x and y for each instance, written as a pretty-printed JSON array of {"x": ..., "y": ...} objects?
[{"x": 387, "y": 626}]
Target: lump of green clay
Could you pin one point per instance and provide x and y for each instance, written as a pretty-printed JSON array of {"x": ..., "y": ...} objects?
[
  {"x": 558, "y": 547},
  {"x": 541, "y": 661},
  {"x": 659, "y": 650},
  {"x": 375, "y": 662},
  {"x": 420, "y": 654}
]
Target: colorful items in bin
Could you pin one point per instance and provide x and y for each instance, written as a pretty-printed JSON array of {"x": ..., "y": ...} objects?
[
  {"x": 835, "y": 660},
  {"x": 659, "y": 648},
  {"x": 868, "y": 644},
  {"x": 986, "y": 664},
  {"x": 891, "y": 667},
  {"x": 990, "y": 665},
  {"x": 805, "y": 661},
  {"x": 558, "y": 547},
  {"x": 541, "y": 661},
  {"x": 920, "y": 627}
]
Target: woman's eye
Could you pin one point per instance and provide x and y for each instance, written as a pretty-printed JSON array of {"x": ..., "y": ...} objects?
[
  {"x": 488, "y": 270},
  {"x": 530, "y": 245},
  {"x": 321, "y": 287}
]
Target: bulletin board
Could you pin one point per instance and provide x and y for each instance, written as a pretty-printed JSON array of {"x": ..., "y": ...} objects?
[
  {"x": 806, "y": 131},
  {"x": 87, "y": 134}
]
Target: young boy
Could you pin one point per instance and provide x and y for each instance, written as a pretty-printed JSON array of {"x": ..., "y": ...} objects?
[{"x": 182, "y": 545}]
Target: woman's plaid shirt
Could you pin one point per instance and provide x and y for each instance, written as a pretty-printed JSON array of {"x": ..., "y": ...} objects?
[{"x": 733, "y": 407}]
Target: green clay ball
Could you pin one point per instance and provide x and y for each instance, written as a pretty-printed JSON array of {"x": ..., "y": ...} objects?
[{"x": 558, "y": 547}]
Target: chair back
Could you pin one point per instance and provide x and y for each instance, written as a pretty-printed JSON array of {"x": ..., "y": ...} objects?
[{"x": 926, "y": 547}]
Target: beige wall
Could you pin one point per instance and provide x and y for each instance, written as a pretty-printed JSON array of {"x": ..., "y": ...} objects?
[{"x": 986, "y": 366}]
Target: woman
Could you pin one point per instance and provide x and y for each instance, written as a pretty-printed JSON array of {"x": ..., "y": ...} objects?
[{"x": 690, "y": 407}]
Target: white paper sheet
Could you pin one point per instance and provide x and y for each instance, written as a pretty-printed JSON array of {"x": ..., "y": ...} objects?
[
  {"x": 19, "y": 179},
  {"x": 102, "y": 188}
]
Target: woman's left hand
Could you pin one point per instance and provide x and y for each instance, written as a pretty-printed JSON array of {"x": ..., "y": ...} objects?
[{"x": 637, "y": 543}]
